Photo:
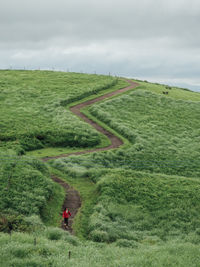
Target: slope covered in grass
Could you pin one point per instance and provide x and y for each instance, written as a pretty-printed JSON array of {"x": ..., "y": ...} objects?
[
  {"x": 53, "y": 246},
  {"x": 33, "y": 113},
  {"x": 136, "y": 207},
  {"x": 26, "y": 190},
  {"x": 140, "y": 219},
  {"x": 163, "y": 133},
  {"x": 25, "y": 185},
  {"x": 145, "y": 207},
  {"x": 172, "y": 92},
  {"x": 145, "y": 216}
]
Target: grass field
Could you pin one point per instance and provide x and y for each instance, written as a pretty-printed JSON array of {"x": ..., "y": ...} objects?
[
  {"x": 163, "y": 132},
  {"x": 25, "y": 185},
  {"x": 137, "y": 206},
  {"x": 53, "y": 246},
  {"x": 141, "y": 207},
  {"x": 173, "y": 92},
  {"x": 33, "y": 113},
  {"x": 140, "y": 203}
]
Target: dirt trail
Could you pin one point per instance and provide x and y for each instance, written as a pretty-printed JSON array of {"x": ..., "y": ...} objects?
[
  {"x": 115, "y": 141},
  {"x": 72, "y": 200}
]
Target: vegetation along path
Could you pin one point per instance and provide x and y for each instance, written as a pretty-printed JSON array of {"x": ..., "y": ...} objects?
[
  {"x": 72, "y": 199},
  {"x": 115, "y": 141}
]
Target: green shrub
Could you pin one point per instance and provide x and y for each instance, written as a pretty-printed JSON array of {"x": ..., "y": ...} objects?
[
  {"x": 25, "y": 185},
  {"x": 197, "y": 231},
  {"x": 22, "y": 251},
  {"x": 99, "y": 236},
  {"x": 136, "y": 206},
  {"x": 18, "y": 222},
  {"x": 73, "y": 240},
  {"x": 34, "y": 223},
  {"x": 32, "y": 262},
  {"x": 53, "y": 233},
  {"x": 14, "y": 222},
  {"x": 193, "y": 238},
  {"x": 126, "y": 243}
]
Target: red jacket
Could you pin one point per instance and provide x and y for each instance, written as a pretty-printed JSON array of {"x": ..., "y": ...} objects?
[{"x": 66, "y": 214}]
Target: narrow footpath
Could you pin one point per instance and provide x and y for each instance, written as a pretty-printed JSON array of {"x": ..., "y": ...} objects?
[
  {"x": 115, "y": 141},
  {"x": 73, "y": 200}
]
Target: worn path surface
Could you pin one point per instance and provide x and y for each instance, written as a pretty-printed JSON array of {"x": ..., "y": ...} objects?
[
  {"x": 115, "y": 141},
  {"x": 72, "y": 200}
]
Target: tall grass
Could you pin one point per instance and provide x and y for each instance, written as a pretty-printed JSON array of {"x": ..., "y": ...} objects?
[
  {"x": 173, "y": 92},
  {"x": 143, "y": 207},
  {"x": 26, "y": 188},
  {"x": 33, "y": 113},
  {"x": 164, "y": 133},
  {"x": 134, "y": 207},
  {"x": 132, "y": 218},
  {"x": 20, "y": 250}
]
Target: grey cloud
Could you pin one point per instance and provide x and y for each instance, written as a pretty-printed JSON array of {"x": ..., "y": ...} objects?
[
  {"x": 97, "y": 20},
  {"x": 147, "y": 37}
]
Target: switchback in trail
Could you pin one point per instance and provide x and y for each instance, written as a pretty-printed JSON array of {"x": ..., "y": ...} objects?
[
  {"x": 72, "y": 199},
  {"x": 115, "y": 141}
]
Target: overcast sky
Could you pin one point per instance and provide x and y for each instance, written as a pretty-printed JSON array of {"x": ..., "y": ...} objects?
[{"x": 155, "y": 40}]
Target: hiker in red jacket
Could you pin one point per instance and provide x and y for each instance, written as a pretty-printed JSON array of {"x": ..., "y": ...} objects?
[{"x": 66, "y": 215}]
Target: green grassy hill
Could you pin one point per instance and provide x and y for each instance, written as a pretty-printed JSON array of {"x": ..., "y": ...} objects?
[
  {"x": 140, "y": 203},
  {"x": 33, "y": 113},
  {"x": 163, "y": 132}
]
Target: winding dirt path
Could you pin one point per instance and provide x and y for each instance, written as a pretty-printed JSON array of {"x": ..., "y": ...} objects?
[
  {"x": 115, "y": 141},
  {"x": 73, "y": 200}
]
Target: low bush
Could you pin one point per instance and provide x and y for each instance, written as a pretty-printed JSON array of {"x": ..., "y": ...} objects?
[
  {"x": 54, "y": 233},
  {"x": 126, "y": 243},
  {"x": 25, "y": 185},
  {"x": 9, "y": 223},
  {"x": 139, "y": 206},
  {"x": 71, "y": 239},
  {"x": 22, "y": 251},
  {"x": 99, "y": 236}
]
